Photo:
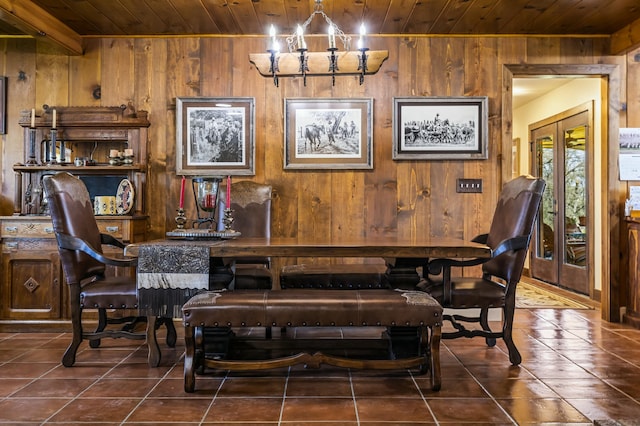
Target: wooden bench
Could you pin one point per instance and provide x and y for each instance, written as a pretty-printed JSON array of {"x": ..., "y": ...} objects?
[{"x": 312, "y": 308}]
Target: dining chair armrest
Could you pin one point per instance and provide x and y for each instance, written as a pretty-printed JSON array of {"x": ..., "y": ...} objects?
[
  {"x": 443, "y": 265},
  {"x": 70, "y": 242},
  {"x": 110, "y": 240}
]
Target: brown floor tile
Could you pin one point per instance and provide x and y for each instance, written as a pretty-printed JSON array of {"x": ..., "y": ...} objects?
[
  {"x": 452, "y": 388},
  {"x": 95, "y": 410},
  {"x": 616, "y": 409},
  {"x": 123, "y": 388},
  {"x": 385, "y": 388},
  {"x": 169, "y": 410},
  {"x": 253, "y": 387},
  {"x": 245, "y": 410},
  {"x": 174, "y": 388},
  {"x": 393, "y": 410},
  {"x": 458, "y": 410},
  {"x": 54, "y": 388},
  {"x": 20, "y": 370},
  {"x": 326, "y": 409},
  {"x": 29, "y": 409},
  {"x": 542, "y": 411},
  {"x": 517, "y": 388},
  {"x": 329, "y": 386},
  {"x": 10, "y": 386}
]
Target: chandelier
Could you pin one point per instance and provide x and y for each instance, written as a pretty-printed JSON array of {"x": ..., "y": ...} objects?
[{"x": 300, "y": 62}]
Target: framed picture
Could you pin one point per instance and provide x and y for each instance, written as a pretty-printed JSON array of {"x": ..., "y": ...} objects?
[
  {"x": 328, "y": 133},
  {"x": 440, "y": 128},
  {"x": 215, "y": 136}
]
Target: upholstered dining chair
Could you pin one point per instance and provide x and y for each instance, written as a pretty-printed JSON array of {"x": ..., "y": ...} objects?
[
  {"x": 509, "y": 236},
  {"x": 84, "y": 265},
  {"x": 251, "y": 205}
]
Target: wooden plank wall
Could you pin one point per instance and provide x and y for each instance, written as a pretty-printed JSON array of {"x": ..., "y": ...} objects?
[{"x": 395, "y": 198}]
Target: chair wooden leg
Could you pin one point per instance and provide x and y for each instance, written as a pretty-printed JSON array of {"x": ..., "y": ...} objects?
[
  {"x": 484, "y": 323},
  {"x": 69, "y": 357},
  {"x": 172, "y": 335},
  {"x": 507, "y": 335},
  {"x": 436, "y": 377},
  {"x": 102, "y": 324},
  {"x": 152, "y": 343}
]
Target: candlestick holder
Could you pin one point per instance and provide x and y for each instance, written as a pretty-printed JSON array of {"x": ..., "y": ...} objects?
[
  {"x": 362, "y": 63},
  {"x": 333, "y": 64},
  {"x": 273, "y": 67},
  {"x": 228, "y": 220},
  {"x": 31, "y": 160},
  {"x": 52, "y": 156},
  {"x": 180, "y": 219},
  {"x": 304, "y": 65}
]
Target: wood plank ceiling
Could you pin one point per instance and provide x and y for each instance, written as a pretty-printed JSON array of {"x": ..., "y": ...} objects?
[
  {"x": 127, "y": 17},
  {"x": 248, "y": 17}
]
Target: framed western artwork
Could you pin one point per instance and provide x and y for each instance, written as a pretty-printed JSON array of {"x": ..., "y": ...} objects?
[
  {"x": 327, "y": 133},
  {"x": 440, "y": 128},
  {"x": 215, "y": 136}
]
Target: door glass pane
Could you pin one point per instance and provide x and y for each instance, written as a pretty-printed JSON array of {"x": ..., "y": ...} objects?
[
  {"x": 575, "y": 196},
  {"x": 545, "y": 164}
]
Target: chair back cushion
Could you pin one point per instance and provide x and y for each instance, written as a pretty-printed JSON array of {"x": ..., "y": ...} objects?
[
  {"x": 72, "y": 214},
  {"x": 514, "y": 216},
  {"x": 251, "y": 204}
]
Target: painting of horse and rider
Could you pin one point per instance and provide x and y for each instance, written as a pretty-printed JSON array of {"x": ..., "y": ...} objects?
[{"x": 329, "y": 133}]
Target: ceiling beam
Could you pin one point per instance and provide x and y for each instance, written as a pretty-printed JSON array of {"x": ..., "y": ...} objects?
[
  {"x": 35, "y": 21},
  {"x": 626, "y": 39}
]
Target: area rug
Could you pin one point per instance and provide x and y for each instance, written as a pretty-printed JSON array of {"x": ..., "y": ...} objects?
[{"x": 532, "y": 297}]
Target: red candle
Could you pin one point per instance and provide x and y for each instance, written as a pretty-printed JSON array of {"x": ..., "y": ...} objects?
[
  {"x": 182, "y": 192},
  {"x": 228, "y": 192}
]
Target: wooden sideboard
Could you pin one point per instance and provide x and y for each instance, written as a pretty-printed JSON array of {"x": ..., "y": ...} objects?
[
  {"x": 33, "y": 293},
  {"x": 632, "y": 316},
  {"x": 32, "y": 284}
]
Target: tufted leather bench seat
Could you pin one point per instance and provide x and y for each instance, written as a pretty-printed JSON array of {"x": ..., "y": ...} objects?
[{"x": 312, "y": 308}]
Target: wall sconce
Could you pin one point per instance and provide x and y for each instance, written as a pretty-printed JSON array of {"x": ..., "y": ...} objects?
[{"x": 299, "y": 62}]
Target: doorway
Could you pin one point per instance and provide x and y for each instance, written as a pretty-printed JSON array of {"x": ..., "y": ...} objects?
[
  {"x": 562, "y": 147},
  {"x": 606, "y": 231}
]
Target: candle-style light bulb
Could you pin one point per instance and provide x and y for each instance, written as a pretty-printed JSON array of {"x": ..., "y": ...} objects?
[
  {"x": 272, "y": 34},
  {"x": 301, "y": 42},
  {"x": 332, "y": 37},
  {"x": 363, "y": 32}
]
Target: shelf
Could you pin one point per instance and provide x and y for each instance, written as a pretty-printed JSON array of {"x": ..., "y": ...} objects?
[{"x": 99, "y": 168}]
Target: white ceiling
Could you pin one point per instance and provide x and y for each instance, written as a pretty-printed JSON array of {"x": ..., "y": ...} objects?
[{"x": 526, "y": 90}]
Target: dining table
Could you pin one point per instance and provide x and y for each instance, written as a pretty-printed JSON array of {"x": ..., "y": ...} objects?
[{"x": 172, "y": 270}]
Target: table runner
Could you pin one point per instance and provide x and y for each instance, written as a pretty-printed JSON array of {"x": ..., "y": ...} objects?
[{"x": 169, "y": 275}]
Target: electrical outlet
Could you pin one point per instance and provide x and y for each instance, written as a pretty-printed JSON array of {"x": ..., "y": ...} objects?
[{"x": 469, "y": 185}]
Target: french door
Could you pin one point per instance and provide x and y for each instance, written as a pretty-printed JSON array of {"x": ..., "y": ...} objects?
[{"x": 561, "y": 147}]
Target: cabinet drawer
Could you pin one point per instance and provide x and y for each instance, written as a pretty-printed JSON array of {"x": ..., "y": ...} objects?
[
  {"x": 115, "y": 228},
  {"x": 26, "y": 229}
]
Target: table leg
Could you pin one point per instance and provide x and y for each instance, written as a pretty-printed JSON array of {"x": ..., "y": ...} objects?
[{"x": 152, "y": 343}]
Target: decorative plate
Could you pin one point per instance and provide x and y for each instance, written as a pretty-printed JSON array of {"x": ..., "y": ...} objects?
[{"x": 124, "y": 197}]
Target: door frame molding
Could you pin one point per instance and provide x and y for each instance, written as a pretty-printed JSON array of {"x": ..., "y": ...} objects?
[{"x": 612, "y": 223}]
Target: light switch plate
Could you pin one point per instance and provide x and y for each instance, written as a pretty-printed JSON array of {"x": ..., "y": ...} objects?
[{"x": 469, "y": 185}]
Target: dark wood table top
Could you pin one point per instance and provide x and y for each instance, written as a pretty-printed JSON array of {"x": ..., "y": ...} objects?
[{"x": 299, "y": 247}]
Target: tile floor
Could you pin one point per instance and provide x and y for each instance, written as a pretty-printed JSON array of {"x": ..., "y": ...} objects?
[{"x": 576, "y": 369}]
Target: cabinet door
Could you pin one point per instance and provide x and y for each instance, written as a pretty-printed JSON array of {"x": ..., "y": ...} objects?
[{"x": 31, "y": 283}]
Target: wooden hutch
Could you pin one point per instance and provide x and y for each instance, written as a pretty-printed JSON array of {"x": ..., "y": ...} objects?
[{"x": 32, "y": 288}]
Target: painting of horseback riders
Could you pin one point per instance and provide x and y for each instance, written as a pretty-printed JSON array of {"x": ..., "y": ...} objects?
[
  {"x": 440, "y": 128},
  {"x": 215, "y": 135},
  {"x": 328, "y": 133}
]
